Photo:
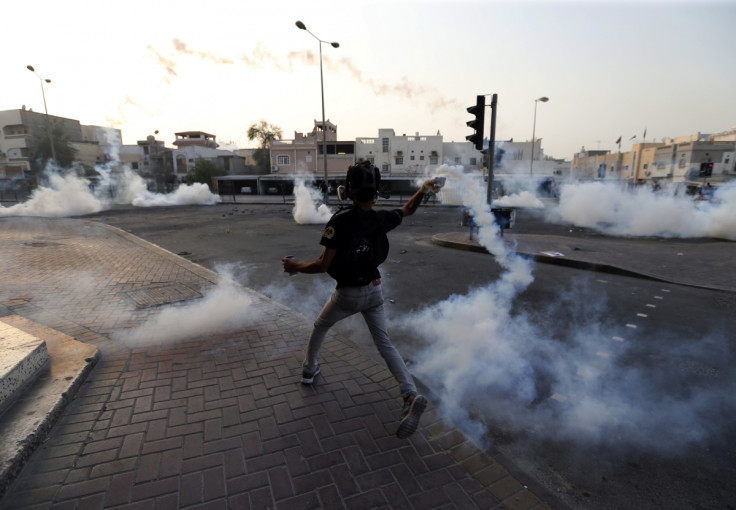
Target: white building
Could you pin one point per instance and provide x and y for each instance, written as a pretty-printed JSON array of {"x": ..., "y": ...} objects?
[{"x": 401, "y": 155}]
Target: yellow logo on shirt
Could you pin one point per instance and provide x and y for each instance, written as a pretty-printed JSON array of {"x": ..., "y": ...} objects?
[{"x": 329, "y": 233}]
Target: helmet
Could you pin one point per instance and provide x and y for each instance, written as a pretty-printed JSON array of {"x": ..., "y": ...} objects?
[{"x": 363, "y": 178}]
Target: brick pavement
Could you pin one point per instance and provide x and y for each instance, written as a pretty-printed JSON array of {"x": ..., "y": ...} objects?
[{"x": 217, "y": 420}]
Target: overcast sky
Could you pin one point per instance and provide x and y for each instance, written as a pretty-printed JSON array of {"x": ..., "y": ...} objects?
[{"x": 609, "y": 69}]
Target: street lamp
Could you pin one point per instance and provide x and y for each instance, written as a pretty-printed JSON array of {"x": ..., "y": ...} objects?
[
  {"x": 48, "y": 123},
  {"x": 302, "y": 26},
  {"x": 534, "y": 129}
]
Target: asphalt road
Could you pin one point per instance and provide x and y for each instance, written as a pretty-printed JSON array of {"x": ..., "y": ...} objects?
[{"x": 673, "y": 372}]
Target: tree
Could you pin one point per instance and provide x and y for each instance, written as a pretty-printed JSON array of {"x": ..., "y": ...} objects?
[
  {"x": 265, "y": 133},
  {"x": 203, "y": 171},
  {"x": 41, "y": 148}
]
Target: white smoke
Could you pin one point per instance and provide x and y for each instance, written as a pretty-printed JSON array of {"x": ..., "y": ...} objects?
[
  {"x": 306, "y": 211},
  {"x": 486, "y": 359},
  {"x": 62, "y": 196},
  {"x": 641, "y": 211},
  {"x": 523, "y": 199},
  {"x": 64, "y": 193},
  {"x": 226, "y": 307}
]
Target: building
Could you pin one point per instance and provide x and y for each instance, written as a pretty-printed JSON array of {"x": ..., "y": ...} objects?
[
  {"x": 462, "y": 154},
  {"x": 691, "y": 161},
  {"x": 305, "y": 153},
  {"x": 193, "y": 145},
  {"x": 18, "y": 128},
  {"x": 401, "y": 156}
]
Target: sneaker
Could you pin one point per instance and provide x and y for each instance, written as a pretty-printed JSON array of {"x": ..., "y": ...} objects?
[
  {"x": 413, "y": 408},
  {"x": 308, "y": 376}
]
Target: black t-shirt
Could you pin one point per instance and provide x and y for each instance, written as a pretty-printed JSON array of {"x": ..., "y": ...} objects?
[{"x": 361, "y": 243}]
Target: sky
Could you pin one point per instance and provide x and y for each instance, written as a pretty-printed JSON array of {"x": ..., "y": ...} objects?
[{"x": 610, "y": 69}]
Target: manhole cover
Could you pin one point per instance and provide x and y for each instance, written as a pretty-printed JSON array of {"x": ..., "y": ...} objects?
[{"x": 156, "y": 296}]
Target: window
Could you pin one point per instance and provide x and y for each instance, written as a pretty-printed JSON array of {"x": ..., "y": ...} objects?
[
  {"x": 433, "y": 160},
  {"x": 457, "y": 161},
  {"x": 411, "y": 158},
  {"x": 399, "y": 160},
  {"x": 283, "y": 160},
  {"x": 385, "y": 144},
  {"x": 473, "y": 161},
  {"x": 421, "y": 158}
]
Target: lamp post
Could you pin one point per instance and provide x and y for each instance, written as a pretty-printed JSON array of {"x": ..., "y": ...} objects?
[
  {"x": 543, "y": 99},
  {"x": 48, "y": 123},
  {"x": 302, "y": 26}
]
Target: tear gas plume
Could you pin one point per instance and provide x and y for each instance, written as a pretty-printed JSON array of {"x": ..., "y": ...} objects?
[
  {"x": 225, "y": 307},
  {"x": 306, "y": 211},
  {"x": 518, "y": 273},
  {"x": 642, "y": 212},
  {"x": 523, "y": 199},
  {"x": 63, "y": 193},
  {"x": 487, "y": 360},
  {"x": 62, "y": 196},
  {"x": 260, "y": 56}
]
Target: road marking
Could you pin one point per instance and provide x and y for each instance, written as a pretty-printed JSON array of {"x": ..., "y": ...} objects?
[
  {"x": 559, "y": 398},
  {"x": 632, "y": 326},
  {"x": 602, "y": 281},
  {"x": 642, "y": 315},
  {"x": 664, "y": 290},
  {"x": 618, "y": 338},
  {"x": 658, "y": 297},
  {"x": 651, "y": 305}
]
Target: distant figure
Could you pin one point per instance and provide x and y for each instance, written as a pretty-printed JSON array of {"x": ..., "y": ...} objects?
[
  {"x": 469, "y": 221},
  {"x": 323, "y": 188}
]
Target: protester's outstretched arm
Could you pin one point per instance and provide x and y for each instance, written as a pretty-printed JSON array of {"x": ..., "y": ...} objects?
[{"x": 319, "y": 265}]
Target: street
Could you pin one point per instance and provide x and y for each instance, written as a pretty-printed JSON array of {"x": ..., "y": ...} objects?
[{"x": 622, "y": 393}]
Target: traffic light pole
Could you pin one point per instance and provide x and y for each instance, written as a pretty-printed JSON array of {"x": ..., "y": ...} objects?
[{"x": 492, "y": 149}]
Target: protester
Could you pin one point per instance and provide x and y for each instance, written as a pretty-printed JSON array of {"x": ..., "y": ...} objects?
[{"x": 354, "y": 245}]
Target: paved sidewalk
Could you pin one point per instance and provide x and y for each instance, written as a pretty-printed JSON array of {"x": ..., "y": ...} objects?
[{"x": 218, "y": 420}]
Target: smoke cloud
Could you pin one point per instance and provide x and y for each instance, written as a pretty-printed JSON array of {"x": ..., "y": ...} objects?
[
  {"x": 612, "y": 209},
  {"x": 306, "y": 211},
  {"x": 63, "y": 193},
  {"x": 261, "y": 56},
  {"x": 488, "y": 360},
  {"x": 226, "y": 307},
  {"x": 523, "y": 199}
]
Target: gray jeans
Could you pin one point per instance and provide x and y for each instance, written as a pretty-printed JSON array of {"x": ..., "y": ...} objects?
[{"x": 367, "y": 300}]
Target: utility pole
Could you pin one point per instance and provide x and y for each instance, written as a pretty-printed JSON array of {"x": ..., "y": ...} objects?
[{"x": 492, "y": 149}]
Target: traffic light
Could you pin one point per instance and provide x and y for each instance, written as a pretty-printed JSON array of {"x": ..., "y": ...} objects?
[
  {"x": 477, "y": 124},
  {"x": 706, "y": 169}
]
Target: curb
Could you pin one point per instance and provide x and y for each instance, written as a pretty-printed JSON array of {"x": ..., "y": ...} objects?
[{"x": 441, "y": 240}]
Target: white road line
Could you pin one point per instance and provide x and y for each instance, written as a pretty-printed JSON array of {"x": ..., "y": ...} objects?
[
  {"x": 658, "y": 297},
  {"x": 642, "y": 315},
  {"x": 618, "y": 339},
  {"x": 651, "y": 305},
  {"x": 632, "y": 326}
]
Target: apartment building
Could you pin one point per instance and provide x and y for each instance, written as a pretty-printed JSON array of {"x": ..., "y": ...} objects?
[
  {"x": 692, "y": 161},
  {"x": 306, "y": 152},
  {"x": 401, "y": 155},
  {"x": 19, "y": 128}
]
